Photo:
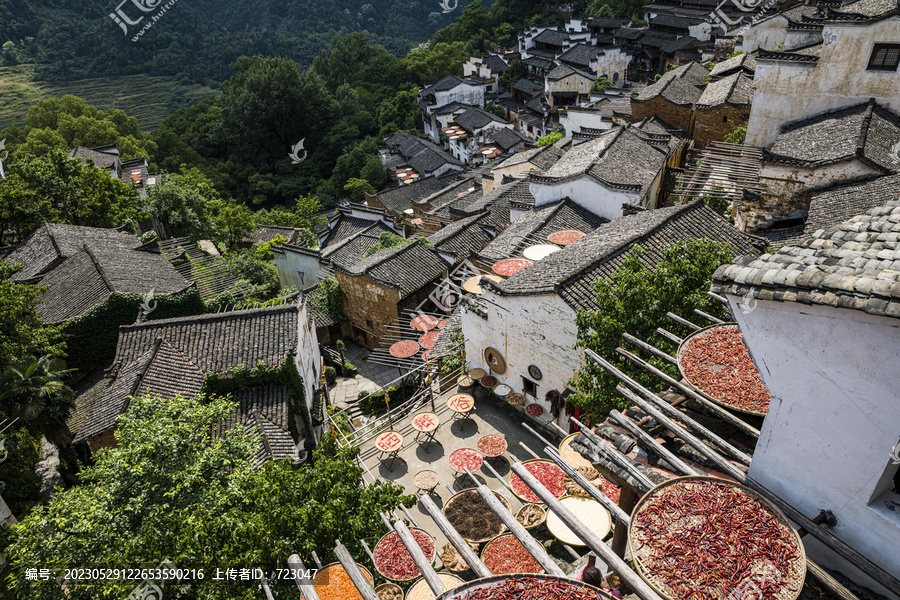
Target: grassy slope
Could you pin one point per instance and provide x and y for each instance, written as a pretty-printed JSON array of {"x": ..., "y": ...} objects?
[{"x": 149, "y": 99}]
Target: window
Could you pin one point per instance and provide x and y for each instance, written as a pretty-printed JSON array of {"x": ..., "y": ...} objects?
[
  {"x": 725, "y": 119},
  {"x": 885, "y": 57},
  {"x": 529, "y": 386},
  {"x": 369, "y": 323},
  {"x": 302, "y": 275},
  {"x": 615, "y": 77}
]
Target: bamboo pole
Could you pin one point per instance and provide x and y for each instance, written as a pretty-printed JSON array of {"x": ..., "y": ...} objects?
[
  {"x": 676, "y": 463},
  {"x": 649, "y": 348},
  {"x": 303, "y": 584},
  {"x": 359, "y": 580},
  {"x": 454, "y": 538},
  {"x": 613, "y": 454},
  {"x": 425, "y": 568},
  {"x": 683, "y": 321},
  {"x": 598, "y": 495}
]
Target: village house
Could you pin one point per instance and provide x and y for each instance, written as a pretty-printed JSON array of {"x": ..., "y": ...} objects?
[
  {"x": 857, "y": 62},
  {"x": 132, "y": 171},
  {"x": 537, "y": 67},
  {"x": 459, "y": 240},
  {"x": 783, "y": 30},
  {"x": 379, "y": 288},
  {"x": 268, "y": 233},
  {"x": 601, "y": 113},
  {"x": 567, "y": 86},
  {"x": 497, "y": 203},
  {"x": 489, "y": 66},
  {"x": 672, "y": 98},
  {"x": 530, "y": 317},
  {"x": 612, "y": 63},
  {"x": 451, "y": 91},
  {"x": 723, "y": 107},
  {"x": 520, "y": 164},
  {"x": 394, "y": 201},
  {"x": 423, "y": 157},
  {"x": 188, "y": 355},
  {"x": 464, "y": 131},
  {"x": 425, "y": 225},
  {"x": 602, "y": 174},
  {"x": 825, "y": 311},
  {"x": 580, "y": 57}
]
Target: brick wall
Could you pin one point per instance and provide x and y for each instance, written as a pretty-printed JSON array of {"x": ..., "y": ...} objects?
[
  {"x": 713, "y": 124},
  {"x": 370, "y": 306},
  {"x": 107, "y": 439},
  {"x": 673, "y": 114}
]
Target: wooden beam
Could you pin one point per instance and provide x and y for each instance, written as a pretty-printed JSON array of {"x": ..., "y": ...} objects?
[
  {"x": 617, "y": 513},
  {"x": 303, "y": 583},
  {"x": 649, "y": 348},
  {"x": 669, "y": 335},
  {"x": 359, "y": 580},
  {"x": 708, "y": 317},
  {"x": 627, "y": 500},
  {"x": 697, "y": 395},
  {"x": 715, "y": 296},
  {"x": 817, "y": 531},
  {"x": 454, "y": 538},
  {"x": 532, "y": 545},
  {"x": 640, "y": 587},
  {"x": 613, "y": 454},
  {"x": 422, "y": 562},
  {"x": 409, "y": 516},
  {"x": 699, "y": 428},
  {"x": 683, "y": 321},
  {"x": 676, "y": 463}
]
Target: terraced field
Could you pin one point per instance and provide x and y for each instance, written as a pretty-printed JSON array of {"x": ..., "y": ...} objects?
[{"x": 148, "y": 99}]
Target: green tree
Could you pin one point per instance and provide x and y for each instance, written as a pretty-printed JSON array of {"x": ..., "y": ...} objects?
[
  {"x": 373, "y": 172},
  {"x": 34, "y": 392},
  {"x": 514, "y": 72},
  {"x": 427, "y": 65},
  {"x": 386, "y": 241},
  {"x": 635, "y": 300},
  {"x": 170, "y": 490},
  {"x": 738, "y": 134},
  {"x": 233, "y": 222},
  {"x": 22, "y": 335},
  {"x": 185, "y": 207},
  {"x": 548, "y": 139},
  {"x": 355, "y": 188},
  {"x": 601, "y": 85},
  {"x": 23, "y": 484}
]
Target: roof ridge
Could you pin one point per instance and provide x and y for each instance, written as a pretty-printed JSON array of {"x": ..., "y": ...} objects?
[
  {"x": 864, "y": 128},
  {"x": 99, "y": 268},
  {"x": 210, "y": 317},
  {"x": 52, "y": 239},
  {"x": 139, "y": 377}
]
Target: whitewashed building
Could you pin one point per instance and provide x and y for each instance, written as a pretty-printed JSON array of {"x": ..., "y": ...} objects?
[{"x": 451, "y": 92}]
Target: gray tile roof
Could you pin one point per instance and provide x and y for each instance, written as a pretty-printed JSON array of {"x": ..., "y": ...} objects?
[
  {"x": 563, "y": 71},
  {"x": 553, "y": 37},
  {"x": 444, "y": 344},
  {"x": 580, "y": 55},
  {"x": 88, "y": 277},
  {"x": 867, "y": 9},
  {"x": 263, "y": 412},
  {"x": 51, "y": 243},
  {"x": 322, "y": 318},
  {"x": 267, "y": 233},
  {"x": 528, "y": 86},
  {"x": 401, "y": 197},
  {"x": 448, "y": 193},
  {"x": 534, "y": 227},
  {"x": 504, "y": 137},
  {"x": 407, "y": 269},
  {"x": 495, "y": 63},
  {"x": 462, "y": 238},
  {"x": 664, "y": 20},
  {"x": 735, "y": 89},
  {"x": 571, "y": 271},
  {"x": 746, "y": 61},
  {"x": 476, "y": 118},
  {"x": 350, "y": 250},
  {"x": 673, "y": 88},
  {"x": 854, "y": 265},
  {"x": 423, "y": 155},
  {"x": 346, "y": 226},
  {"x": 444, "y": 85},
  {"x": 102, "y": 159},
  {"x": 619, "y": 159},
  {"x": 538, "y": 62},
  {"x": 867, "y": 131},
  {"x": 607, "y": 23},
  {"x": 497, "y": 202},
  {"x": 677, "y": 44}
]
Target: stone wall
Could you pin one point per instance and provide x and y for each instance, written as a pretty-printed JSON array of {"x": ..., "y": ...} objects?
[
  {"x": 673, "y": 114},
  {"x": 714, "y": 123},
  {"x": 370, "y": 306}
]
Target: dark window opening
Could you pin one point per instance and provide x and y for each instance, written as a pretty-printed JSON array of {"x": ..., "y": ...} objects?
[
  {"x": 368, "y": 322},
  {"x": 529, "y": 386},
  {"x": 885, "y": 57},
  {"x": 724, "y": 119}
]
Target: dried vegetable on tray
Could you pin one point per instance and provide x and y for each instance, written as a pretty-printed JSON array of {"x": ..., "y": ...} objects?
[
  {"x": 394, "y": 561},
  {"x": 704, "y": 539},
  {"x": 551, "y": 476},
  {"x": 528, "y": 588},
  {"x": 333, "y": 583},
  {"x": 505, "y": 554}
]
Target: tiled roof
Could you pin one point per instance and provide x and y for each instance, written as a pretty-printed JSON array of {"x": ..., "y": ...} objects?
[
  {"x": 672, "y": 88},
  {"x": 448, "y": 193},
  {"x": 104, "y": 160},
  {"x": 867, "y": 131},
  {"x": 505, "y": 137},
  {"x": 401, "y": 197},
  {"x": 533, "y": 228},
  {"x": 678, "y": 44},
  {"x": 53, "y": 242},
  {"x": 322, "y": 318},
  {"x": 538, "y": 104},
  {"x": 553, "y": 37},
  {"x": 476, "y": 118},
  {"x": 350, "y": 250},
  {"x": 606, "y": 23},
  {"x": 263, "y": 411},
  {"x": 444, "y": 85},
  {"x": 735, "y": 89},
  {"x": 619, "y": 159},
  {"x": 580, "y": 55},
  {"x": 795, "y": 13},
  {"x": 866, "y": 10},
  {"x": 538, "y": 62},
  {"x": 563, "y": 71},
  {"x": 407, "y": 269},
  {"x": 656, "y": 40},
  {"x": 495, "y": 63},
  {"x": 88, "y": 277},
  {"x": 745, "y": 61},
  {"x": 463, "y": 237},
  {"x": 571, "y": 271},
  {"x": 528, "y": 86},
  {"x": 664, "y": 20},
  {"x": 219, "y": 342},
  {"x": 444, "y": 344},
  {"x": 423, "y": 155},
  {"x": 854, "y": 265},
  {"x": 346, "y": 226},
  {"x": 267, "y": 233},
  {"x": 657, "y": 126}
]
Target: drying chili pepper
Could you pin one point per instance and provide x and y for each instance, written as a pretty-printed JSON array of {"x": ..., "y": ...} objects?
[
  {"x": 506, "y": 554},
  {"x": 465, "y": 458},
  {"x": 394, "y": 561},
  {"x": 552, "y": 477},
  {"x": 491, "y": 445},
  {"x": 534, "y": 410},
  {"x": 517, "y": 588}
]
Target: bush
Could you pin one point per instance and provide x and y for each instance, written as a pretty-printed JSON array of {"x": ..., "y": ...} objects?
[
  {"x": 373, "y": 404},
  {"x": 148, "y": 236},
  {"x": 330, "y": 375},
  {"x": 349, "y": 369}
]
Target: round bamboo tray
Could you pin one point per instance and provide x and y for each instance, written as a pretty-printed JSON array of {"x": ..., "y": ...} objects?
[
  {"x": 794, "y": 578},
  {"x": 421, "y": 591},
  {"x": 494, "y": 581},
  {"x": 430, "y": 558},
  {"x": 496, "y": 537},
  {"x": 392, "y": 587},
  {"x": 570, "y": 455},
  {"x": 323, "y": 573},
  {"x": 580, "y": 505},
  {"x": 540, "y": 521},
  {"x": 525, "y": 462},
  {"x": 473, "y": 491},
  {"x": 678, "y": 355}
]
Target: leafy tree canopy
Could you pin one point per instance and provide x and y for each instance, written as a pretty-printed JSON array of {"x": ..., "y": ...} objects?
[
  {"x": 601, "y": 85},
  {"x": 170, "y": 490},
  {"x": 548, "y": 139},
  {"x": 635, "y": 299},
  {"x": 386, "y": 241},
  {"x": 22, "y": 335}
]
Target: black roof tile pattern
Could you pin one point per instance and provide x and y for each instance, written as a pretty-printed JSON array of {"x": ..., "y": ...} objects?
[
  {"x": 398, "y": 199},
  {"x": 534, "y": 227},
  {"x": 263, "y": 412},
  {"x": 464, "y": 237},
  {"x": 345, "y": 226},
  {"x": 267, "y": 233},
  {"x": 444, "y": 85},
  {"x": 571, "y": 271},
  {"x": 580, "y": 55},
  {"x": 495, "y": 63},
  {"x": 88, "y": 277},
  {"x": 476, "y": 118},
  {"x": 677, "y": 44},
  {"x": 350, "y": 250},
  {"x": 563, "y": 71},
  {"x": 538, "y": 62},
  {"x": 618, "y": 158},
  {"x": 664, "y": 20},
  {"x": 552, "y": 37},
  {"x": 854, "y": 265},
  {"x": 51, "y": 243},
  {"x": 322, "y": 318},
  {"x": 735, "y": 89},
  {"x": 448, "y": 193},
  {"x": 407, "y": 269},
  {"x": 606, "y": 23},
  {"x": 444, "y": 343},
  {"x": 528, "y": 86},
  {"x": 867, "y": 131},
  {"x": 504, "y": 137},
  {"x": 672, "y": 87},
  {"x": 864, "y": 10},
  {"x": 104, "y": 160},
  {"x": 423, "y": 155}
]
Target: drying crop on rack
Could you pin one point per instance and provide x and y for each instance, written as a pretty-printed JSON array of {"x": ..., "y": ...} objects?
[
  {"x": 534, "y": 410},
  {"x": 394, "y": 561},
  {"x": 491, "y": 445},
  {"x": 505, "y": 554},
  {"x": 465, "y": 458},
  {"x": 333, "y": 583},
  {"x": 717, "y": 361},
  {"x": 529, "y": 587},
  {"x": 472, "y": 517},
  {"x": 551, "y": 476},
  {"x": 703, "y": 539}
]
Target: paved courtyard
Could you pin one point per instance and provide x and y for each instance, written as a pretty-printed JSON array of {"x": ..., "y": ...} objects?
[{"x": 369, "y": 377}]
